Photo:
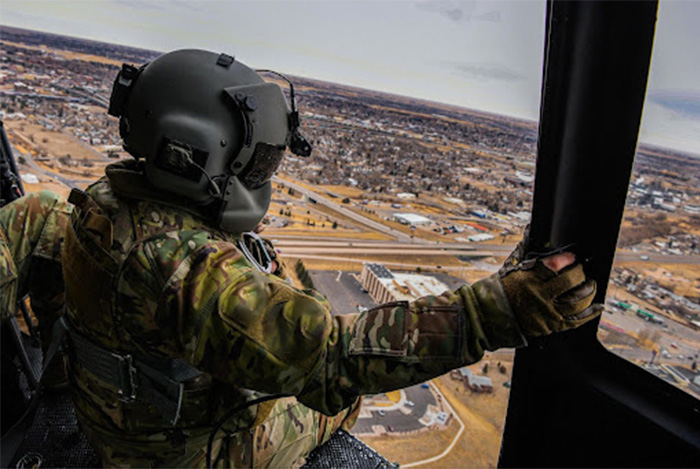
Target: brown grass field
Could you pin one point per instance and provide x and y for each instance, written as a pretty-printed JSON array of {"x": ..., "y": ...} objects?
[
  {"x": 483, "y": 416},
  {"x": 39, "y": 140},
  {"x": 67, "y": 54},
  {"x": 404, "y": 449},
  {"x": 684, "y": 279}
]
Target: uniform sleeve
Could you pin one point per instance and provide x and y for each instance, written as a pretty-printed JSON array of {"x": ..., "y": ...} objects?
[
  {"x": 258, "y": 332},
  {"x": 33, "y": 229}
]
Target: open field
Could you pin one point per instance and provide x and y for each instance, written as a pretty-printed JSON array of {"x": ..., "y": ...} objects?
[
  {"x": 57, "y": 187},
  {"x": 408, "y": 448},
  {"x": 483, "y": 415},
  {"x": 683, "y": 280},
  {"x": 68, "y": 55},
  {"x": 49, "y": 143}
]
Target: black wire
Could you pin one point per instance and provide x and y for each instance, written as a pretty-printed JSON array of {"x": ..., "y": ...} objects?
[{"x": 228, "y": 415}]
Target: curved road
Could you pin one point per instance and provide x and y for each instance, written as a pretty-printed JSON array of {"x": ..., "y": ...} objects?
[{"x": 72, "y": 183}]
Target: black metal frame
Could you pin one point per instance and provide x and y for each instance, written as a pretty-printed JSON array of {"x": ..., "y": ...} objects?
[{"x": 573, "y": 403}]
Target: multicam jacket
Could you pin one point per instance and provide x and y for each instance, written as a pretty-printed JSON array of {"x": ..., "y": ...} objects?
[
  {"x": 155, "y": 283},
  {"x": 32, "y": 229}
]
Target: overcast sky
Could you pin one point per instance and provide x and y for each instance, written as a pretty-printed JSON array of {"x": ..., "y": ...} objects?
[{"x": 483, "y": 55}]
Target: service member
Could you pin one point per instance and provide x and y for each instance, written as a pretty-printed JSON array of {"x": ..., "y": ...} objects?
[{"x": 177, "y": 320}]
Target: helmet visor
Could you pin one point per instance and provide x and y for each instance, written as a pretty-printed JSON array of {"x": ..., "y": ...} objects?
[{"x": 265, "y": 161}]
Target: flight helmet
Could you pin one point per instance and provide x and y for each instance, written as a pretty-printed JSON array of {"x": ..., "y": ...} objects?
[{"x": 210, "y": 130}]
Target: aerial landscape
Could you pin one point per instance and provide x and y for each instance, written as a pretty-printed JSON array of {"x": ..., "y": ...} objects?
[{"x": 401, "y": 198}]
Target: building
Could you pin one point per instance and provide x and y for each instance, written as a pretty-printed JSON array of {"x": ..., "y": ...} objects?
[
  {"x": 476, "y": 383},
  {"x": 453, "y": 200},
  {"x": 385, "y": 286},
  {"x": 480, "y": 237},
  {"x": 412, "y": 219}
]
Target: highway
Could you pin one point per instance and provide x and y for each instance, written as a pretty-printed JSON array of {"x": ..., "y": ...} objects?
[
  {"x": 314, "y": 245},
  {"x": 344, "y": 211}
]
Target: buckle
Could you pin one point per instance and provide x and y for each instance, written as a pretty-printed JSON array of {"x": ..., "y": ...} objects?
[
  {"x": 264, "y": 264},
  {"x": 127, "y": 377}
]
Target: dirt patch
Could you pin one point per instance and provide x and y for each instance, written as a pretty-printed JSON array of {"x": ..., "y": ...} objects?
[
  {"x": 344, "y": 191},
  {"x": 483, "y": 416},
  {"x": 48, "y": 143},
  {"x": 407, "y": 448},
  {"x": 682, "y": 279},
  {"x": 67, "y": 54},
  {"x": 56, "y": 187}
]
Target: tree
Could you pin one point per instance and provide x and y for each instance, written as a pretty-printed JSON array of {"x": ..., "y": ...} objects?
[
  {"x": 485, "y": 369},
  {"x": 346, "y": 200},
  {"x": 335, "y": 224}
]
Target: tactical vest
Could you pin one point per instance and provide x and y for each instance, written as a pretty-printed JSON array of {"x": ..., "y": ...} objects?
[{"x": 122, "y": 382}]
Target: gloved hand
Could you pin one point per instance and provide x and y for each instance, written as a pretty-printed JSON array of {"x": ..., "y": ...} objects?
[{"x": 545, "y": 301}]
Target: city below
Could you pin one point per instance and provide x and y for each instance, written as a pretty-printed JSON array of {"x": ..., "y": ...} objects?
[{"x": 400, "y": 198}]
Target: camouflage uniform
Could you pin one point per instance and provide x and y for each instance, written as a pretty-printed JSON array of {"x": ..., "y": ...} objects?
[
  {"x": 32, "y": 230},
  {"x": 144, "y": 278}
]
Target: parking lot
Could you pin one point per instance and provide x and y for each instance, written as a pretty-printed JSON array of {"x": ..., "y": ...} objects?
[
  {"x": 342, "y": 290},
  {"x": 402, "y": 419}
]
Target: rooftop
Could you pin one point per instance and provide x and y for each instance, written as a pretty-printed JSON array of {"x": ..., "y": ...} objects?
[{"x": 380, "y": 271}]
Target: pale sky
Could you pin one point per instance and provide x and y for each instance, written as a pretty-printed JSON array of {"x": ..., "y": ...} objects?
[{"x": 484, "y": 55}]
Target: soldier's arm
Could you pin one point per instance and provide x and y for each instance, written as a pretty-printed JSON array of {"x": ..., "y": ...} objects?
[
  {"x": 258, "y": 332},
  {"x": 31, "y": 234}
]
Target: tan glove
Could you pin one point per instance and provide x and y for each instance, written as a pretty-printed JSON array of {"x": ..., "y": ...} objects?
[{"x": 545, "y": 301}]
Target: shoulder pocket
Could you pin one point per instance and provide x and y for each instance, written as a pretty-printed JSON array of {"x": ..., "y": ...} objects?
[{"x": 382, "y": 331}]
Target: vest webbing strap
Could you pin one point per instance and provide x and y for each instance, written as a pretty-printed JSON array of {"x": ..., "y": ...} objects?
[{"x": 160, "y": 381}]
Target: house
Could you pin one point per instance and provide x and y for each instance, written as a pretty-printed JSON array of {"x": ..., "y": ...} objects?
[{"x": 476, "y": 383}]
